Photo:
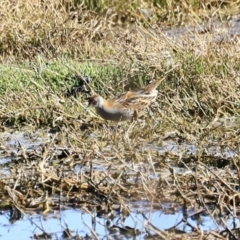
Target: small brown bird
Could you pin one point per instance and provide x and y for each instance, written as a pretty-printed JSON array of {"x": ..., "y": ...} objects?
[{"x": 126, "y": 105}]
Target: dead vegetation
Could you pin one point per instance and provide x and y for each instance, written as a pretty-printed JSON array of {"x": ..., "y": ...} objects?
[
  {"x": 85, "y": 31},
  {"x": 183, "y": 150}
]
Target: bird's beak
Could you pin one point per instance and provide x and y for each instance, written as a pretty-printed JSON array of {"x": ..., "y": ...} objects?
[{"x": 89, "y": 104}]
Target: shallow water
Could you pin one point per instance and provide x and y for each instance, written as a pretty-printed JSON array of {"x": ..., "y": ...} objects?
[
  {"x": 30, "y": 142},
  {"x": 221, "y": 30},
  {"x": 163, "y": 215},
  {"x": 82, "y": 224}
]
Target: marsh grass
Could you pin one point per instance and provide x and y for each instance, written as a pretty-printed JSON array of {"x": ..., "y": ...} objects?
[
  {"x": 45, "y": 52},
  {"x": 30, "y": 28}
]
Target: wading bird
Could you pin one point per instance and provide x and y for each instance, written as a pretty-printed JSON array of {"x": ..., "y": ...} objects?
[{"x": 126, "y": 105}]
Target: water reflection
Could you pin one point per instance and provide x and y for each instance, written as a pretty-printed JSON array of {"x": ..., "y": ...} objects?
[{"x": 137, "y": 225}]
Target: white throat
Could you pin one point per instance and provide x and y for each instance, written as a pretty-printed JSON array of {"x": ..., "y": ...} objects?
[{"x": 100, "y": 102}]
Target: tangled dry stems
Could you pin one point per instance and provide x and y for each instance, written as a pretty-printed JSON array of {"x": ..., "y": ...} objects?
[
  {"x": 128, "y": 171},
  {"x": 198, "y": 105},
  {"x": 30, "y": 28}
]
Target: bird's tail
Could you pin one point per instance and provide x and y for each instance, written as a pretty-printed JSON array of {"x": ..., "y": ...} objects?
[
  {"x": 152, "y": 86},
  {"x": 155, "y": 84}
]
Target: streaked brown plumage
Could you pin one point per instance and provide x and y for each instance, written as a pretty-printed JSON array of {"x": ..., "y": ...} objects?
[{"x": 126, "y": 105}]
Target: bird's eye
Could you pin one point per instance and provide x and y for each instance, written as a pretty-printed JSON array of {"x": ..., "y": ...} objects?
[
  {"x": 92, "y": 101},
  {"x": 89, "y": 101}
]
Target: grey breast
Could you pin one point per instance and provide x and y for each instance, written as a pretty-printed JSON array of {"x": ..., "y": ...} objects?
[{"x": 115, "y": 114}]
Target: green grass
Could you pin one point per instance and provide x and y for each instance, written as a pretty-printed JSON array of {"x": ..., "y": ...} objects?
[
  {"x": 44, "y": 51},
  {"x": 201, "y": 76}
]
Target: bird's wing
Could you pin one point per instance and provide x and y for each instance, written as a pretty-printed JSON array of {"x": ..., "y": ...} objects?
[{"x": 134, "y": 99}]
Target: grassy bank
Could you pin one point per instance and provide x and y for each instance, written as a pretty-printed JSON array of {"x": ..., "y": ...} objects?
[
  {"x": 74, "y": 28},
  {"x": 48, "y": 48},
  {"x": 48, "y": 52},
  {"x": 204, "y": 81}
]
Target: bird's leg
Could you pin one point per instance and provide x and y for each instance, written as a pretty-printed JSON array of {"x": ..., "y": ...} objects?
[
  {"x": 134, "y": 120},
  {"x": 130, "y": 128},
  {"x": 150, "y": 112},
  {"x": 135, "y": 115}
]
